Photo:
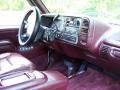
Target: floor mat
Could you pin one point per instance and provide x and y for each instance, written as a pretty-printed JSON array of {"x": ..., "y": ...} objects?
[{"x": 93, "y": 80}]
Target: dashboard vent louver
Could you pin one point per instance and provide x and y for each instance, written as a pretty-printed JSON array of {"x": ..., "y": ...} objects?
[
  {"x": 84, "y": 31},
  {"x": 104, "y": 51}
]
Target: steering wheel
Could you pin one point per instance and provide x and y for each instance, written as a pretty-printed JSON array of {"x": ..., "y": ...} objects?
[{"x": 30, "y": 27}]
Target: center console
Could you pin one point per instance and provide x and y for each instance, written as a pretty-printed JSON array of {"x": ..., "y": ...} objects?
[
  {"x": 34, "y": 80},
  {"x": 21, "y": 77}
]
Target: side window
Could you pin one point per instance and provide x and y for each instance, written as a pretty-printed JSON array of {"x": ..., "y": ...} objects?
[{"x": 12, "y": 12}]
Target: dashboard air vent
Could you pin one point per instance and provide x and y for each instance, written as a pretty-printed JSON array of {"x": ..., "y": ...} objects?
[
  {"x": 104, "y": 51},
  {"x": 84, "y": 31}
]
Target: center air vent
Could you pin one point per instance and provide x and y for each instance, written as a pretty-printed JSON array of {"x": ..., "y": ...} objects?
[
  {"x": 84, "y": 31},
  {"x": 104, "y": 51}
]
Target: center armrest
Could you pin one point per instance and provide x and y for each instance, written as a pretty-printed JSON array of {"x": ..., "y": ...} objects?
[{"x": 34, "y": 80}]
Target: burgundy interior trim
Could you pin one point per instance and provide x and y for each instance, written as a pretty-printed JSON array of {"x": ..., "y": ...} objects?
[{"x": 53, "y": 80}]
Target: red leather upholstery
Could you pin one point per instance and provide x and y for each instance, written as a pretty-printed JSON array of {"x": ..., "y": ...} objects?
[
  {"x": 17, "y": 73},
  {"x": 48, "y": 80},
  {"x": 13, "y": 63}
]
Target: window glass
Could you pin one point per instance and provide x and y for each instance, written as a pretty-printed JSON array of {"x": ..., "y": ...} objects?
[
  {"x": 106, "y": 9},
  {"x": 12, "y": 12},
  {"x": 14, "y": 5}
]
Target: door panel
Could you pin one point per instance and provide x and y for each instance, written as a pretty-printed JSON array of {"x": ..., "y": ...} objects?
[
  {"x": 9, "y": 43},
  {"x": 8, "y": 40}
]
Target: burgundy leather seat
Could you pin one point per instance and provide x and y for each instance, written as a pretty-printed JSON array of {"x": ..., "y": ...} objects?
[{"x": 13, "y": 63}]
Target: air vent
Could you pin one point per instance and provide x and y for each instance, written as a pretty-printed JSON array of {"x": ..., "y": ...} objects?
[
  {"x": 104, "y": 51},
  {"x": 84, "y": 31}
]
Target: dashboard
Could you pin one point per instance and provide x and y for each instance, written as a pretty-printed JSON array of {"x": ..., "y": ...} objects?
[
  {"x": 69, "y": 29},
  {"x": 84, "y": 38}
]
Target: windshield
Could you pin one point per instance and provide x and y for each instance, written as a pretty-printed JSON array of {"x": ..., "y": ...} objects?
[{"x": 106, "y": 9}]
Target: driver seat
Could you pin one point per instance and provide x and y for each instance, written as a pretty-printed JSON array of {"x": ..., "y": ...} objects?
[{"x": 11, "y": 63}]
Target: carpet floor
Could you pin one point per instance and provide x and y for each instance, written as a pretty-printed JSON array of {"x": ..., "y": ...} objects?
[
  {"x": 89, "y": 80},
  {"x": 93, "y": 80}
]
